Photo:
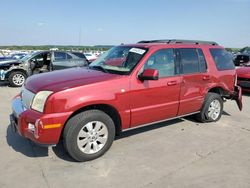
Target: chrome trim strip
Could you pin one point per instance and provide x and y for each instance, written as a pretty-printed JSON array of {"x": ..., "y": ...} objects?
[{"x": 155, "y": 122}]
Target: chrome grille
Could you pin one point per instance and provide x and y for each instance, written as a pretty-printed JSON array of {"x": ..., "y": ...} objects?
[{"x": 27, "y": 97}]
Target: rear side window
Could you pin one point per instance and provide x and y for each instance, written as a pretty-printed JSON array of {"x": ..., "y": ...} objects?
[
  {"x": 222, "y": 59},
  {"x": 60, "y": 56},
  {"x": 203, "y": 64},
  {"x": 69, "y": 56},
  {"x": 189, "y": 60},
  {"x": 80, "y": 55}
]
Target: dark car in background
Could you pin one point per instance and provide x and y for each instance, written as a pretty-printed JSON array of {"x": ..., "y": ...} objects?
[
  {"x": 5, "y": 58},
  {"x": 243, "y": 57},
  {"x": 13, "y": 56},
  {"x": 243, "y": 74},
  {"x": 16, "y": 71}
]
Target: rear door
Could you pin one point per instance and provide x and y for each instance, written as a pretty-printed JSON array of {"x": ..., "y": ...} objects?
[
  {"x": 63, "y": 60},
  {"x": 195, "y": 79},
  {"x": 155, "y": 100}
]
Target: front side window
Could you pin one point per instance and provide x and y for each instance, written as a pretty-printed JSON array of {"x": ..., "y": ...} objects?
[
  {"x": 38, "y": 57},
  {"x": 163, "y": 61},
  {"x": 222, "y": 59},
  {"x": 119, "y": 60},
  {"x": 78, "y": 54},
  {"x": 189, "y": 61}
]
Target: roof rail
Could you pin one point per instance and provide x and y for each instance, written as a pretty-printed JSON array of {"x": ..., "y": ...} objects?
[{"x": 179, "y": 41}]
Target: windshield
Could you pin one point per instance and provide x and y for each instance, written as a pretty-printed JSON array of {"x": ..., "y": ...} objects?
[
  {"x": 29, "y": 56},
  {"x": 119, "y": 60}
]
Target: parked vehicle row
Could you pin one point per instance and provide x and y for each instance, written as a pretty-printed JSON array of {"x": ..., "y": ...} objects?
[
  {"x": 128, "y": 87},
  {"x": 16, "y": 71},
  {"x": 13, "y": 56}
]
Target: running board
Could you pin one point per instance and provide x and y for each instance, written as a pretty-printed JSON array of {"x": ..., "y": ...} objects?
[{"x": 155, "y": 122}]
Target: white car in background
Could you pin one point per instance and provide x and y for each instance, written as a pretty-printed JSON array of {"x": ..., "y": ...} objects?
[{"x": 90, "y": 57}]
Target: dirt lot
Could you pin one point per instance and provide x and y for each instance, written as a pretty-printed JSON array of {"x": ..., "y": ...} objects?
[{"x": 179, "y": 153}]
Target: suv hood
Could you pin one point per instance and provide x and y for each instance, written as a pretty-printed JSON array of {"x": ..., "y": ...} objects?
[{"x": 65, "y": 79}]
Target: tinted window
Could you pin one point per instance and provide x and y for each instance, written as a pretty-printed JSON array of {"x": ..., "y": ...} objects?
[
  {"x": 38, "y": 57},
  {"x": 222, "y": 59},
  {"x": 69, "y": 56},
  {"x": 163, "y": 61},
  {"x": 203, "y": 64},
  {"x": 80, "y": 55},
  {"x": 60, "y": 56},
  {"x": 189, "y": 61}
]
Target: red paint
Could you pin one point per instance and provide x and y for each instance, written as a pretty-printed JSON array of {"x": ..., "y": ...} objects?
[{"x": 243, "y": 75}]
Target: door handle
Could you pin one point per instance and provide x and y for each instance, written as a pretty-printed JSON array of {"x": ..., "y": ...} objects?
[
  {"x": 172, "y": 83},
  {"x": 207, "y": 77}
]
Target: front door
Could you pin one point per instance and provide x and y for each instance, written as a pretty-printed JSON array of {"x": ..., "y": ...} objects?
[{"x": 155, "y": 100}]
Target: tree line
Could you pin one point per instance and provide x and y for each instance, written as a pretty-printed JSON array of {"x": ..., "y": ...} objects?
[{"x": 48, "y": 47}]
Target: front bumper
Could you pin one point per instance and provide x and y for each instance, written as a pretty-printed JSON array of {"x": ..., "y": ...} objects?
[{"x": 44, "y": 129}]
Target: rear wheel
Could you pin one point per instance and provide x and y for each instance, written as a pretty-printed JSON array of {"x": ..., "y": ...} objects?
[
  {"x": 88, "y": 135},
  {"x": 212, "y": 108},
  {"x": 17, "y": 78}
]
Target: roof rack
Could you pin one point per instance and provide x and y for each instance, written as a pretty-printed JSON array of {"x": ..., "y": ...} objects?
[{"x": 179, "y": 41}]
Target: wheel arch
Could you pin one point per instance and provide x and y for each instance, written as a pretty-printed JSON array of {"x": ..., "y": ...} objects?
[
  {"x": 15, "y": 70},
  {"x": 219, "y": 90},
  {"x": 108, "y": 109}
]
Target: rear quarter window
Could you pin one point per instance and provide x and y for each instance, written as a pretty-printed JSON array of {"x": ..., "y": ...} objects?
[{"x": 222, "y": 59}]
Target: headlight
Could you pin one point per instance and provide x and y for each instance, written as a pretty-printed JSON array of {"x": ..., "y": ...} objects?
[{"x": 39, "y": 100}]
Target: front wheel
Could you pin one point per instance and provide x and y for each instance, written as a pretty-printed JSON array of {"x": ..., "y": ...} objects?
[
  {"x": 88, "y": 135},
  {"x": 17, "y": 78},
  {"x": 212, "y": 108}
]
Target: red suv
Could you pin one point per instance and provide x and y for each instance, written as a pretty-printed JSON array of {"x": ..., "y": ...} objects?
[{"x": 129, "y": 86}]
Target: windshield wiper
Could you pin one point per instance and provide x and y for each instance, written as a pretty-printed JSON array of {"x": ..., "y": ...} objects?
[{"x": 98, "y": 67}]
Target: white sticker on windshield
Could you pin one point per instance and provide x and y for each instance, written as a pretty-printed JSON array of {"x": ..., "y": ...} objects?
[{"x": 137, "y": 50}]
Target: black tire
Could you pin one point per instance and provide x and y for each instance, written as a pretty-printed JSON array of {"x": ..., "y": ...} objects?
[
  {"x": 77, "y": 124},
  {"x": 203, "y": 116},
  {"x": 13, "y": 75}
]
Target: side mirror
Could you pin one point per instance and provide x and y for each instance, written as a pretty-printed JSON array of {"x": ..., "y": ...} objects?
[{"x": 149, "y": 74}]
